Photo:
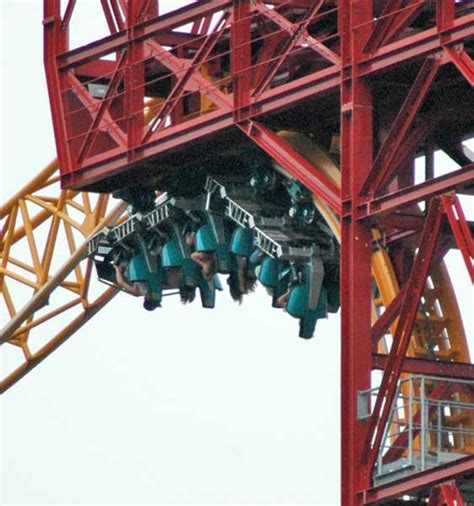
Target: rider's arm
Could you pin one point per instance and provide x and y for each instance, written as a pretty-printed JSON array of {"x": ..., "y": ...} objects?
[{"x": 133, "y": 289}]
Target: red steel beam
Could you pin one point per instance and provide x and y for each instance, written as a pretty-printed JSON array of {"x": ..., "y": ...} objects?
[
  {"x": 411, "y": 194},
  {"x": 294, "y": 163},
  {"x": 356, "y": 251},
  {"x": 464, "y": 242},
  {"x": 109, "y": 16},
  {"x": 241, "y": 57},
  {"x": 463, "y": 62},
  {"x": 401, "y": 221},
  {"x": 446, "y": 494},
  {"x": 461, "y": 230},
  {"x": 404, "y": 18},
  {"x": 179, "y": 66},
  {"x": 106, "y": 122},
  {"x": 68, "y": 13},
  {"x": 390, "y": 314},
  {"x": 445, "y": 12},
  {"x": 145, "y": 30},
  {"x": 420, "y": 45},
  {"x": 443, "y": 369},
  {"x": 117, "y": 14},
  {"x": 134, "y": 80},
  {"x": 55, "y": 42},
  {"x": 381, "y": 25},
  {"x": 421, "y": 481},
  {"x": 265, "y": 57},
  {"x": 393, "y": 19}
]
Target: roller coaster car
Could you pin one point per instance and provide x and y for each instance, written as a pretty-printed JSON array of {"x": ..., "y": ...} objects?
[{"x": 239, "y": 226}]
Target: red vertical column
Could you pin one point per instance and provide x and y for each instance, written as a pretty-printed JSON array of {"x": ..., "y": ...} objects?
[
  {"x": 356, "y": 160},
  {"x": 134, "y": 78},
  {"x": 56, "y": 42},
  {"x": 241, "y": 57}
]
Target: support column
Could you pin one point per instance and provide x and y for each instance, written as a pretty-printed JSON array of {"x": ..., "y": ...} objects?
[
  {"x": 241, "y": 57},
  {"x": 55, "y": 37},
  {"x": 356, "y": 160},
  {"x": 134, "y": 78}
]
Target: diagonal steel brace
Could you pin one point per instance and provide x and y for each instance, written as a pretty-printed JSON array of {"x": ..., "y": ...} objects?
[{"x": 401, "y": 339}]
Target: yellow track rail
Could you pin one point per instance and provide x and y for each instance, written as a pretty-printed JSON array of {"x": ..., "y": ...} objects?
[{"x": 44, "y": 277}]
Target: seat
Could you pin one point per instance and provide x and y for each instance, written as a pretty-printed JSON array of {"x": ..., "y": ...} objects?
[
  {"x": 301, "y": 301},
  {"x": 205, "y": 239},
  {"x": 298, "y": 308},
  {"x": 137, "y": 270},
  {"x": 268, "y": 274},
  {"x": 207, "y": 291},
  {"x": 173, "y": 254},
  {"x": 242, "y": 243},
  {"x": 308, "y": 321},
  {"x": 211, "y": 237},
  {"x": 333, "y": 291}
]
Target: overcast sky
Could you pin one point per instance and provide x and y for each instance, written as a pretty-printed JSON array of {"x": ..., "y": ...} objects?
[{"x": 182, "y": 405}]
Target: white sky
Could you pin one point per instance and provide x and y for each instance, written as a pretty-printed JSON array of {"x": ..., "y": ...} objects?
[{"x": 182, "y": 405}]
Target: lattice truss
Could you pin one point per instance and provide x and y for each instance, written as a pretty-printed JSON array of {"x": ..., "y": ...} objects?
[
  {"x": 212, "y": 66},
  {"x": 45, "y": 284}
]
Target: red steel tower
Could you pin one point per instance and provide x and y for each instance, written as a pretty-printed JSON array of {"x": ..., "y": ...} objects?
[{"x": 377, "y": 83}]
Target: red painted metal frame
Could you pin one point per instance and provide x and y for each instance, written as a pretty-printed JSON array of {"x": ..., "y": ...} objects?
[
  {"x": 446, "y": 494},
  {"x": 419, "y": 481},
  {"x": 412, "y": 194},
  {"x": 461, "y": 230},
  {"x": 371, "y": 39},
  {"x": 155, "y": 32},
  {"x": 439, "y": 368},
  {"x": 356, "y": 288}
]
